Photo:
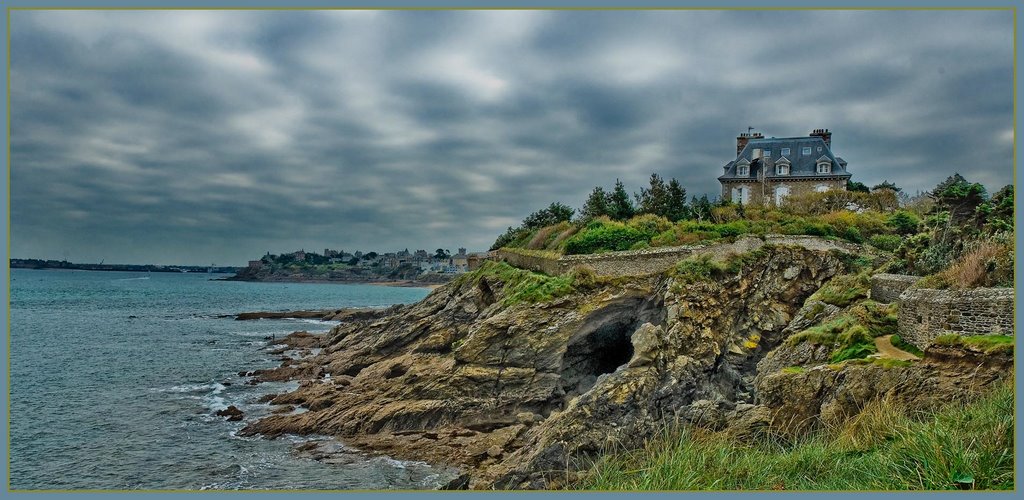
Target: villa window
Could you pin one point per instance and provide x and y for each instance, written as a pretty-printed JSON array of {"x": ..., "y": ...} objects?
[
  {"x": 741, "y": 195},
  {"x": 785, "y": 151},
  {"x": 767, "y": 153},
  {"x": 782, "y": 169},
  {"x": 781, "y": 193},
  {"x": 805, "y": 151},
  {"x": 742, "y": 171},
  {"x": 824, "y": 168}
]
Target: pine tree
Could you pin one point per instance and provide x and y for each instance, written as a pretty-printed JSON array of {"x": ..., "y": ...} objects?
[
  {"x": 620, "y": 207},
  {"x": 653, "y": 200},
  {"x": 677, "y": 209},
  {"x": 596, "y": 205}
]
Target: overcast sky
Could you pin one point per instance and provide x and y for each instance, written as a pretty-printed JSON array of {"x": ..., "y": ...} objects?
[{"x": 212, "y": 137}]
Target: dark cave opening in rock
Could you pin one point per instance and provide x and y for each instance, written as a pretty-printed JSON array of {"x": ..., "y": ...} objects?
[
  {"x": 602, "y": 351},
  {"x": 604, "y": 343}
]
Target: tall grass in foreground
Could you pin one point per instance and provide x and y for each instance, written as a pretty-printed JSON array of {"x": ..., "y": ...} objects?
[{"x": 963, "y": 446}]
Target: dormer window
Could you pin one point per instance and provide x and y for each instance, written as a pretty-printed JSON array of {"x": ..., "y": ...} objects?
[
  {"x": 785, "y": 151},
  {"x": 767, "y": 153},
  {"x": 743, "y": 171},
  {"x": 782, "y": 169},
  {"x": 805, "y": 151},
  {"x": 824, "y": 167}
]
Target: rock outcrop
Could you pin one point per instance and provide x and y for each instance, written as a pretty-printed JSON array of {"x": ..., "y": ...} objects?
[{"x": 521, "y": 395}]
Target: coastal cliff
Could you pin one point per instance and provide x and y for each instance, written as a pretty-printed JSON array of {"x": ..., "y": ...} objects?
[{"x": 521, "y": 379}]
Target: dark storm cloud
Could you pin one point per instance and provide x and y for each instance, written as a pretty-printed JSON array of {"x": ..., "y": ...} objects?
[{"x": 196, "y": 137}]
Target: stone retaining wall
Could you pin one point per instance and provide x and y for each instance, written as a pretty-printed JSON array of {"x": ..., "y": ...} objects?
[
  {"x": 657, "y": 260},
  {"x": 927, "y": 313},
  {"x": 886, "y": 288}
]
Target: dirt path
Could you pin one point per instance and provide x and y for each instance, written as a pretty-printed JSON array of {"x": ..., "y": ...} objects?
[{"x": 887, "y": 350}]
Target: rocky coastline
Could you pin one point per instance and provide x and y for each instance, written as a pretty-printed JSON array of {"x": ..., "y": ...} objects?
[{"x": 523, "y": 395}]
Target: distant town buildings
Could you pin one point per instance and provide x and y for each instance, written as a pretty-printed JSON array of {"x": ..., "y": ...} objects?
[{"x": 421, "y": 260}]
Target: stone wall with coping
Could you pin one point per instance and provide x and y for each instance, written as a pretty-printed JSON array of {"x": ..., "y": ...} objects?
[
  {"x": 886, "y": 288},
  {"x": 928, "y": 313},
  {"x": 657, "y": 260}
]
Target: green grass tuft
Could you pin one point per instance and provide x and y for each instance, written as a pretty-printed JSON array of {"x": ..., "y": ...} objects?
[
  {"x": 882, "y": 448},
  {"x": 521, "y": 285},
  {"x": 989, "y": 344},
  {"x": 899, "y": 343},
  {"x": 844, "y": 290}
]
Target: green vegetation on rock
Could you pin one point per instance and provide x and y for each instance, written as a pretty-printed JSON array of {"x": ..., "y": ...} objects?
[
  {"x": 844, "y": 290},
  {"x": 521, "y": 285},
  {"x": 852, "y": 334},
  {"x": 899, "y": 343},
  {"x": 885, "y": 447},
  {"x": 990, "y": 344}
]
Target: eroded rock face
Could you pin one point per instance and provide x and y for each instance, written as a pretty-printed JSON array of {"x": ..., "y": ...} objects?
[
  {"x": 513, "y": 393},
  {"x": 827, "y": 394}
]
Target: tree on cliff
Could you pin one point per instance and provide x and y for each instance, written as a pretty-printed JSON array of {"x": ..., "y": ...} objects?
[
  {"x": 553, "y": 214},
  {"x": 960, "y": 197},
  {"x": 653, "y": 200},
  {"x": 886, "y": 185},
  {"x": 620, "y": 207},
  {"x": 596, "y": 205},
  {"x": 663, "y": 199},
  {"x": 857, "y": 187},
  {"x": 677, "y": 209}
]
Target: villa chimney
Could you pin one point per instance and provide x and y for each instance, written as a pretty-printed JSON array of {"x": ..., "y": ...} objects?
[
  {"x": 741, "y": 142},
  {"x": 744, "y": 138},
  {"x": 824, "y": 134}
]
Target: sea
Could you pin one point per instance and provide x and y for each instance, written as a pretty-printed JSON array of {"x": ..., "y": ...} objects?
[{"x": 115, "y": 379}]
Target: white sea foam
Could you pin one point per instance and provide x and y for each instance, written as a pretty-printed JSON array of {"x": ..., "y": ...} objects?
[{"x": 185, "y": 388}]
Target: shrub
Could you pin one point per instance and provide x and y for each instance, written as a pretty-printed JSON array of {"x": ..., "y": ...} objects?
[
  {"x": 903, "y": 222},
  {"x": 694, "y": 269},
  {"x": 887, "y": 242},
  {"x": 602, "y": 236},
  {"x": 988, "y": 263},
  {"x": 852, "y": 234},
  {"x": 649, "y": 224}
]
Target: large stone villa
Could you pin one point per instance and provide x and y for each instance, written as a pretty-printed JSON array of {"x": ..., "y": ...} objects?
[{"x": 766, "y": 170}]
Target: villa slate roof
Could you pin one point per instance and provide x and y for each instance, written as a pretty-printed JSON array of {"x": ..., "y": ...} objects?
[{"x": 801, "y": 165}]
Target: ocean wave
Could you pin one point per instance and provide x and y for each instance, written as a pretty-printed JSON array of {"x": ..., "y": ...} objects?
[
  {"x": 187, "y": 388},
  {"x": 316, "y": 321}
]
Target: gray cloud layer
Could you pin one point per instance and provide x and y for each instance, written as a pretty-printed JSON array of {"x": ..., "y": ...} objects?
[{"x": 197, "y": 137}]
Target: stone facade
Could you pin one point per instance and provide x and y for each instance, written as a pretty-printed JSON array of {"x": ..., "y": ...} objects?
[
  {"x": 656, "y": 260},
  {"x": 764, "y": 193},
  {"x": 927, "y": 313},
  {"x": 886, "y": 288}
]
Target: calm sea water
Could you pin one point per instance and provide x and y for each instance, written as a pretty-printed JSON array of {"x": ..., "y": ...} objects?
[{"x": 115, "y": 378}]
